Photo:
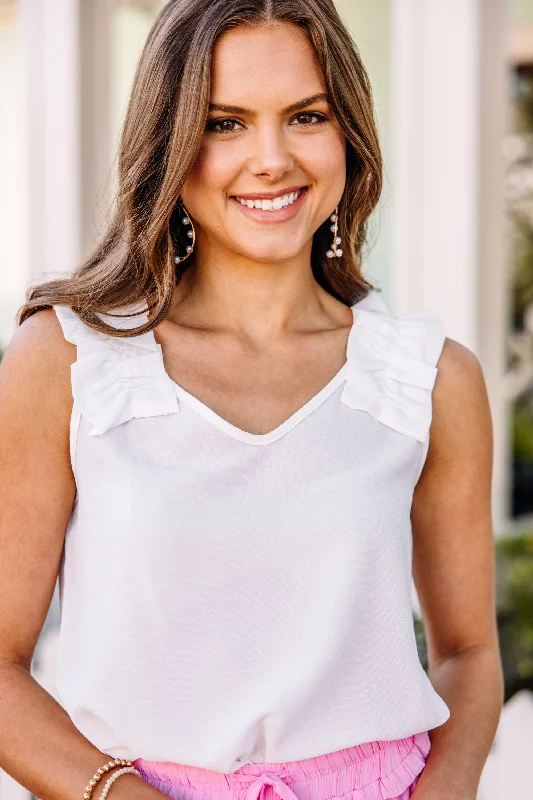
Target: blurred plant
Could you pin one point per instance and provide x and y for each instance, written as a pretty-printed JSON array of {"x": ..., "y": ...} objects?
[
  {"x": 517, "y": 384},
  {"x": 421, "y": 642},
  {"x": 522, "y": 433},
  {"x": 515, "y": 609},
  {"x": 518, "y": 381},
  {"x": 514, "y": 601},
  {"x": 523, "y": 119},
  {"x": 522, "y": 283}
]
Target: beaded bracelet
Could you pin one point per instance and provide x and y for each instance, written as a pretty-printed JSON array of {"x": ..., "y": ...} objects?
[
  {"x": 115, "y": 762},
  {"x": 110, "y": 781}
]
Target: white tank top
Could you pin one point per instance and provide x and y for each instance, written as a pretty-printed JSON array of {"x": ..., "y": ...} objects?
[{"x": 231, "y": 598}]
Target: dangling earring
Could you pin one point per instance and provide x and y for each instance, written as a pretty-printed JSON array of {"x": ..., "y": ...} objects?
[
  {"x": 186, "y": 220},
  {"x": 335, "y": 251}
]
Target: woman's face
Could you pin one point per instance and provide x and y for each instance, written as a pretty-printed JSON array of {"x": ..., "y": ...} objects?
[{"x": 272, "y": 165}]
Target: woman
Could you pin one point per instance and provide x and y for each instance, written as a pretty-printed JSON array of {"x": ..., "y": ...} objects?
[{"x": 219, "y": 437}]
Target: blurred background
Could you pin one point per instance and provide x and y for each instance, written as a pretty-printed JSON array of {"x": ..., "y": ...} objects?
[{"x": 453, "y": 86}]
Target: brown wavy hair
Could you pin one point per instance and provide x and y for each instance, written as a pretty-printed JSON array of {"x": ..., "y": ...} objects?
[{"x": 161, "y": 137}]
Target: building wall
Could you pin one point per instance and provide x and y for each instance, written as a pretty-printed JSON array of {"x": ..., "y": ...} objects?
[
  {"x": 11, "y": 170},
  {"x": 522, "y": 11}
]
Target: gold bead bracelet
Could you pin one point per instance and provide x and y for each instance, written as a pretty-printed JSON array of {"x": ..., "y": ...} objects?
[{"x": 115, "y": 762}]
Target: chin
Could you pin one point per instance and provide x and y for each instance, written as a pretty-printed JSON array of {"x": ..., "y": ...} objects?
[{"x": 270, "y": 253}]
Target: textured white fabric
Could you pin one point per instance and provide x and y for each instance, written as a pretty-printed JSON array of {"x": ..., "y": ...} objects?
[{"x": 232, "y": 598}]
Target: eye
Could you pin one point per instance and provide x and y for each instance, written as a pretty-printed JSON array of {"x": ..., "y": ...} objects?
[
  {"x": 227, "y": 125},
  {"x": 309, "y": 118}
]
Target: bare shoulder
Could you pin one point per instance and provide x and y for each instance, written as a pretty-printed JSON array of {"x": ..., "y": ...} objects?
[
  {"x": 461, "y": 411},
  {"x": 39, "y": 343},
  {"x": 35, "y": 370},
  {"x": 40, "y": 335},
  {"x": 460, "y": 383},
  {"x": 458, "y": 364}
]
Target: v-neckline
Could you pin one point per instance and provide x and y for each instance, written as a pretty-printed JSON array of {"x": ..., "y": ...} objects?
[{"x": 271, "y": 436}]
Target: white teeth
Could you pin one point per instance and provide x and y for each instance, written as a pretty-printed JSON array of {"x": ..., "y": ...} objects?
[{"x": 271, "y": 205}]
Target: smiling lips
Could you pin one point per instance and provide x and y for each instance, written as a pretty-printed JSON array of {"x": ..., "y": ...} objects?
[
  {"x": 274, "y": 204},
  {"x": 269, "y": 207}
]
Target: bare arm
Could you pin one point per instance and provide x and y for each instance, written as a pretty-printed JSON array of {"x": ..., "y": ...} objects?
[
  {"x": 453, "y": 569},
  {"x": 39, "y": 745}
]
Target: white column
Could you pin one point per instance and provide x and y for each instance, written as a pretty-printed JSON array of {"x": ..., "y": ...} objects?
[
  {"x": 493, "y": 249},
  {"x": 449, "y": 104},
  {"x": 97, "y": 177},
  {"x": 50, "y": 38},
  {"x": 12, "y": 164}
]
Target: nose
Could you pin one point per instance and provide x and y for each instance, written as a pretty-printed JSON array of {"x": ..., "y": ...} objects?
[
  {"x": 267, "y": 779},
  {"x": 271, "y": 157}
]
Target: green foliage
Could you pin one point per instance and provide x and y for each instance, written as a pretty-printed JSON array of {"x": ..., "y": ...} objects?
[
  {"x": 522, "y": 433},
  {"x": 421, "y": 642},
  {"x": 515, "y": 605},
  {"x": 508, "y": 547},
  {"x": 522, "y": 283},
  {"x": 523, "y": 120}
]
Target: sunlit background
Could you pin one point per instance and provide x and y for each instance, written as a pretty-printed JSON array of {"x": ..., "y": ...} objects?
[{"x": 453, "y": 87}]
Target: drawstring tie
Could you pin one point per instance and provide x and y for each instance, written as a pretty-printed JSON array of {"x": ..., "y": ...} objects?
[{"x": 255, "y": 789}]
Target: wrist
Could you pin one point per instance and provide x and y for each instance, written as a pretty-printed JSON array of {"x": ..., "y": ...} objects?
[
  {"x": 440, "y": 784},
  {"x": 132, "y": 787}
]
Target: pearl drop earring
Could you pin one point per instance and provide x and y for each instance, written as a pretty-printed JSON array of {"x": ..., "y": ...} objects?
[
  {"x": 186, "y": 220},
  {"x": 335, "y": 251}
]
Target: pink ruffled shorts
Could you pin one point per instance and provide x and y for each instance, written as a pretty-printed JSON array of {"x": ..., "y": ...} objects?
[{"x": 381, "y": 770}]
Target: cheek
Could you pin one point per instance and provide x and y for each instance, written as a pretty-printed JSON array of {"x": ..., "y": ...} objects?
[
  {"x": 325, "y": 157},
  {"x": 213, "y": 170}
]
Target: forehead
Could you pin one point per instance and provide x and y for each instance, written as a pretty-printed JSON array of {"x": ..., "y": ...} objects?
[{"x": 270, "y": 65}]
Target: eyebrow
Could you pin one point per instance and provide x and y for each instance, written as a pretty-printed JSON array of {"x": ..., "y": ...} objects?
[{"x": 308, "y": 101}]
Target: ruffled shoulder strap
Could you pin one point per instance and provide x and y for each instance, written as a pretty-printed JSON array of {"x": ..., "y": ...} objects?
[
  {"x": 392, "y": 365},
  {"x": 115, "y": 379}
]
